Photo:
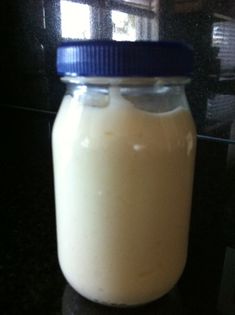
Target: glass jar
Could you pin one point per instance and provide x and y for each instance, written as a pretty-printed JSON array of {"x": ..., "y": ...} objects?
[{"x": 123, "y": 155}]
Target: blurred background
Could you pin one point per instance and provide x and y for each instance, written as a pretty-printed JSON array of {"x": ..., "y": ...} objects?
[
  {"x": 32, "y": 29},
  {"x": 30, "y": 96}
]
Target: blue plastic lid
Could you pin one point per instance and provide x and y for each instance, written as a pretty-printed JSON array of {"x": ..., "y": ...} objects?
[{"x": 104, "y": 58}]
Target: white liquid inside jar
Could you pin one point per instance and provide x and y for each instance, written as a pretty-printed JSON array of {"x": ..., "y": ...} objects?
[{"x": 123, "y": 185}]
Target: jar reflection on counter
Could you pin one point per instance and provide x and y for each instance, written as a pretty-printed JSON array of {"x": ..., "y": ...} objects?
[{"x": 74, "y": 304}]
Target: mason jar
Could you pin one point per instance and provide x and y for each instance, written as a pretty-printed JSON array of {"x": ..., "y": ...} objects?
[{"x": 123, "y": 153}]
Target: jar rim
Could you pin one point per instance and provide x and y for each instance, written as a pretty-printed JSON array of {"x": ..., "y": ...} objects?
[{"x": 125, "y": 81}]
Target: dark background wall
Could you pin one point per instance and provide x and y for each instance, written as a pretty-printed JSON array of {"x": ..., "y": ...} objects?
[{"x": 30, "y": 97}]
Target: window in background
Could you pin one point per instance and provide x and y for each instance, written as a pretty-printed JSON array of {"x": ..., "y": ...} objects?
[
  {"x": 118, "y": 20},
  {"x": 133, "y": 27},
  {"x": 124, "y": 26},
  {"x": 75, "y": 20}
]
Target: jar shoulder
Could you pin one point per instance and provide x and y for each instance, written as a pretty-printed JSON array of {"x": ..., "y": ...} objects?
[{"x": 78, "y": 125}]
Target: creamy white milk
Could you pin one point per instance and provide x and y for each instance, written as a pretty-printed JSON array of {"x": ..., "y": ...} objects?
[{"x": 123, "y": 183}]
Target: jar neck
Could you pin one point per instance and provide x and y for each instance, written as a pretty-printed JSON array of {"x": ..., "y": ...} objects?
[{"x": 125, "y": 81}]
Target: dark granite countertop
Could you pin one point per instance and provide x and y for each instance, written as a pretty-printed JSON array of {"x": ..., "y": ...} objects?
[{"x": 31, "y": 280}]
